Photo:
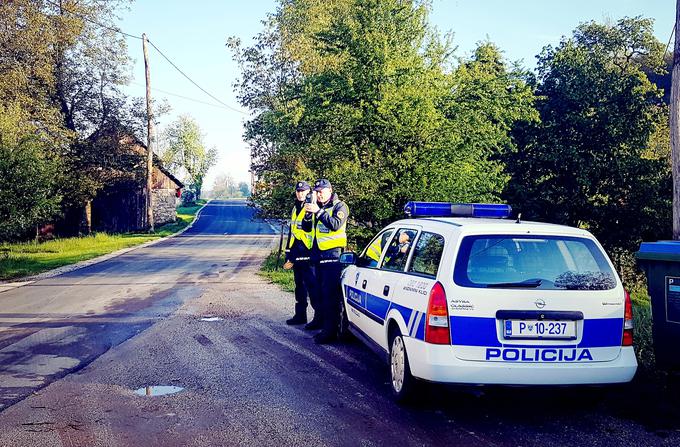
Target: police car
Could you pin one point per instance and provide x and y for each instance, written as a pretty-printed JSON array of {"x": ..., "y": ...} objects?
[{"x": 459, "y": 293}]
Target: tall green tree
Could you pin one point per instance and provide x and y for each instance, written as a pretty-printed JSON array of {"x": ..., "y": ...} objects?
[
  {"x": 368, "y": 95},
  {"x": 185, "y": 152},
  {"x": 597, "y": 158}
]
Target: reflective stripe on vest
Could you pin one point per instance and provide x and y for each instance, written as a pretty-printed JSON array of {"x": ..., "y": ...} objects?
[
  {"x": 306, "y": 237},
  {"x": 328, "y": 239}
]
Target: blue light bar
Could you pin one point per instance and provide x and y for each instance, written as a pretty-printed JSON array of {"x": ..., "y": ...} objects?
[{"x": 445, "y": 209}]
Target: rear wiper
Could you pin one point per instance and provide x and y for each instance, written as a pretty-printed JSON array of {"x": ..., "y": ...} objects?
[{"x": 532, "y": 284}]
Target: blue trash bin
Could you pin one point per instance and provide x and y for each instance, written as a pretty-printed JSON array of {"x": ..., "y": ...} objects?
[{"x": 661, "y": 263}]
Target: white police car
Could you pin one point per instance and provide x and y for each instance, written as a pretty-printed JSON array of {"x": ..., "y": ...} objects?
[{"x": 487, "y": 300}]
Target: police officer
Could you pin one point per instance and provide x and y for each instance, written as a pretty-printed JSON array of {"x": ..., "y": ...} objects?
[
  {"x": 330, "y": 238},
  {"x": 298, "y": 250}
]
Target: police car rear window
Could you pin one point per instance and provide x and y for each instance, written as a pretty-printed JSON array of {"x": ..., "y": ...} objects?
[
  {"x": 428, "y": 254},
  {"x": 527, "y": 262}
]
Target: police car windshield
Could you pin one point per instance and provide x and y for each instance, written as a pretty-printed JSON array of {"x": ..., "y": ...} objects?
[{"x": 544, "y": 262}]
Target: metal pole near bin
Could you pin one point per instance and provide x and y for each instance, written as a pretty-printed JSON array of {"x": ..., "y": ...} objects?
[{"x": 661, "y": 263}]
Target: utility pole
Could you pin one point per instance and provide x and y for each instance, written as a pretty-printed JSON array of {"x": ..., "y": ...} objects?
[{"x": 150, "y": 140}]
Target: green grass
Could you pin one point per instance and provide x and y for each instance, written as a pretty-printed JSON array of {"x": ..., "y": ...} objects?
[
  {"x": 284, "y": 278},
  {"x": 28, "y": 258},
  {"x": 642, "y": 321}
]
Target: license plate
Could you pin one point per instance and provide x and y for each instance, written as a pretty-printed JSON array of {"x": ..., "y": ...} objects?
[{"x": 540, "y": 329}]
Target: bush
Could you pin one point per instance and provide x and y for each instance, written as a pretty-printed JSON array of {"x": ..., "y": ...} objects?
[
  {"x": 27, "y": 196},
  {"x": 188, "y": 198}
]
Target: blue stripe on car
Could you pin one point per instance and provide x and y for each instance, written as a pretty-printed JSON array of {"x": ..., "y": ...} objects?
[
  {"x": 481, "y": 331},
  {"x": 478, "y": 331}
]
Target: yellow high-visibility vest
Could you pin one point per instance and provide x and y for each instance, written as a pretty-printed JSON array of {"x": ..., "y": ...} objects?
[
  {"x": 375, "y": 250},
  {"x": 328, "y": 239},
  {"x": 307, "y": 237}
]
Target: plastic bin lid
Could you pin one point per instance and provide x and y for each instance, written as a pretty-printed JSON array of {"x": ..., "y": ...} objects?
[{"x": 659, "y": 251}]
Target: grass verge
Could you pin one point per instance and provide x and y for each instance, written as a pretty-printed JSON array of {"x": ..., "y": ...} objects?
[
  {"x": 642, "y": 321},
  {"x": 269, "y": 270},
  {"x": 28, "y": 258}
]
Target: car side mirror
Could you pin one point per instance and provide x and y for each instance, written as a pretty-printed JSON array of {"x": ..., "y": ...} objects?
[{"x": 348, "y": 258}]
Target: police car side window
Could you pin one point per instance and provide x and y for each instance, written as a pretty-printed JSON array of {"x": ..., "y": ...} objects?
[
  {"x": 373, "y": 251},
  {"x": 428, "y": 254},
  {"x": 398, "y": 250}
]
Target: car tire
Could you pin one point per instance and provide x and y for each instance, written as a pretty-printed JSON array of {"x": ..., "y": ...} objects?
[{"x": 403, "y": 384}]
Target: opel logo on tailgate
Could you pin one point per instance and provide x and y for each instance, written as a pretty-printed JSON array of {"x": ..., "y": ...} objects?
[{"x": 539, "y": 303}]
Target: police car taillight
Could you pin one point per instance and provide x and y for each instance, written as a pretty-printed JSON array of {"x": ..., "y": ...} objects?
[
  {"x": 446, "y": 209},
  {"x": 437, "y": 323},
  {"x": 627, "y": 321}
]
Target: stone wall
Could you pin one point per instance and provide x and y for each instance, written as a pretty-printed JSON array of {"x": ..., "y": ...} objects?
[{"x": 164, "y": 206}]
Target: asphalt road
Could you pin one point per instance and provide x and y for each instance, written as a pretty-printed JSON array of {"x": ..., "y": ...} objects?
[{"x": 74, "y": 348}]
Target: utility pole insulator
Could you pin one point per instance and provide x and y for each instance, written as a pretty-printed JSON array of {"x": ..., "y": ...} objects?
[{"x": 151, "y": 140}]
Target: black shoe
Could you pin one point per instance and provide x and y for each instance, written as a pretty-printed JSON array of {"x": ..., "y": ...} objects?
[
  {"x": 313, "y": 326},
  {"x": 324, "y": 339},
  {"x": 296, "y": 320}
]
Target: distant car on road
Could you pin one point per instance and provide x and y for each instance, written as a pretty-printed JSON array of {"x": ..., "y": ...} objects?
[{"x": 458, "y": 293}]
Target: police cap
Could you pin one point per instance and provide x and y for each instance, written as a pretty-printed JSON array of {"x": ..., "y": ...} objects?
[
  {"x": 321, "y": 184},
  {"x": 302, "y": 186}
]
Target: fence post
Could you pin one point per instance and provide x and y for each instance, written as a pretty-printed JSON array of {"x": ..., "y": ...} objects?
[{"x": 278, "y": 255}]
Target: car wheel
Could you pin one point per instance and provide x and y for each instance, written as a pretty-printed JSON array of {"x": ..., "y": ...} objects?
[{"x": 402, "y": 382}]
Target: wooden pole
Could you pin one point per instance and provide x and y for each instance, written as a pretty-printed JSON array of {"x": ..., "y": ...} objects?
[
  {"x": 151, "y": 140},
  {"x": 675, "y": 126}
]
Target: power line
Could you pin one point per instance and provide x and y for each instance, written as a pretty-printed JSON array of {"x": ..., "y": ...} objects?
[
  {"x": 225, "y": 105},
  {"x": 192, "y": 81},
  {"x": 181, "y": 96}
]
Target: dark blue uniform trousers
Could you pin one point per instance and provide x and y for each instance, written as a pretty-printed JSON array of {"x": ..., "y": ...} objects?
[{"x": 305, "y": 285}]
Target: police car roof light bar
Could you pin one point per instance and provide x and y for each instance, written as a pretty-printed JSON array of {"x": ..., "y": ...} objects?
[{"x": 445, "y": 209}]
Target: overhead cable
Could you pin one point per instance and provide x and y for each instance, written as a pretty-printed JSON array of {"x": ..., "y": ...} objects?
[
  {"x": 225, "y": 105},
  {"x": 192, "y": 81},
  {"x": 182, "y": 96}
]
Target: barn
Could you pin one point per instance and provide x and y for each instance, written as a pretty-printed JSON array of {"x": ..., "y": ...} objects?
[{"x": 119, "y": 206}]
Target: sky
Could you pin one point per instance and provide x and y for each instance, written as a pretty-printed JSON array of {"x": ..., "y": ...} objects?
[{"x": 193, "y": 35}]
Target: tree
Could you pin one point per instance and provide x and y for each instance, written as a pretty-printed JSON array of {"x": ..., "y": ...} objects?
[
  {"x": 596, "y": 159},
  {"x": 224, "y": 187},
  {"x": 365, "y": 93},
  {"x": 244, "y": 189},
  {"x": 28, "y": 36},
  {"x": 90, "y": 62},
  {"x": 185, "y": 152},
  {"x": 28, "y": 174}
]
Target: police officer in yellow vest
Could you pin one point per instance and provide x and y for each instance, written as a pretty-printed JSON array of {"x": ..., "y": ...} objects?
[
  {"x": 298, "y": 252},
  {"x": 330, "y": 238}
]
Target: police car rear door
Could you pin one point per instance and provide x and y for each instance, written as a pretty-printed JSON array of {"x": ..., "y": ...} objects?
[
  {"x": 411, "y": 297},
  {"x": 381, "y": 283},
  {"x": 362, "y": 310},
  {"x": 528, "y": 297}
]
